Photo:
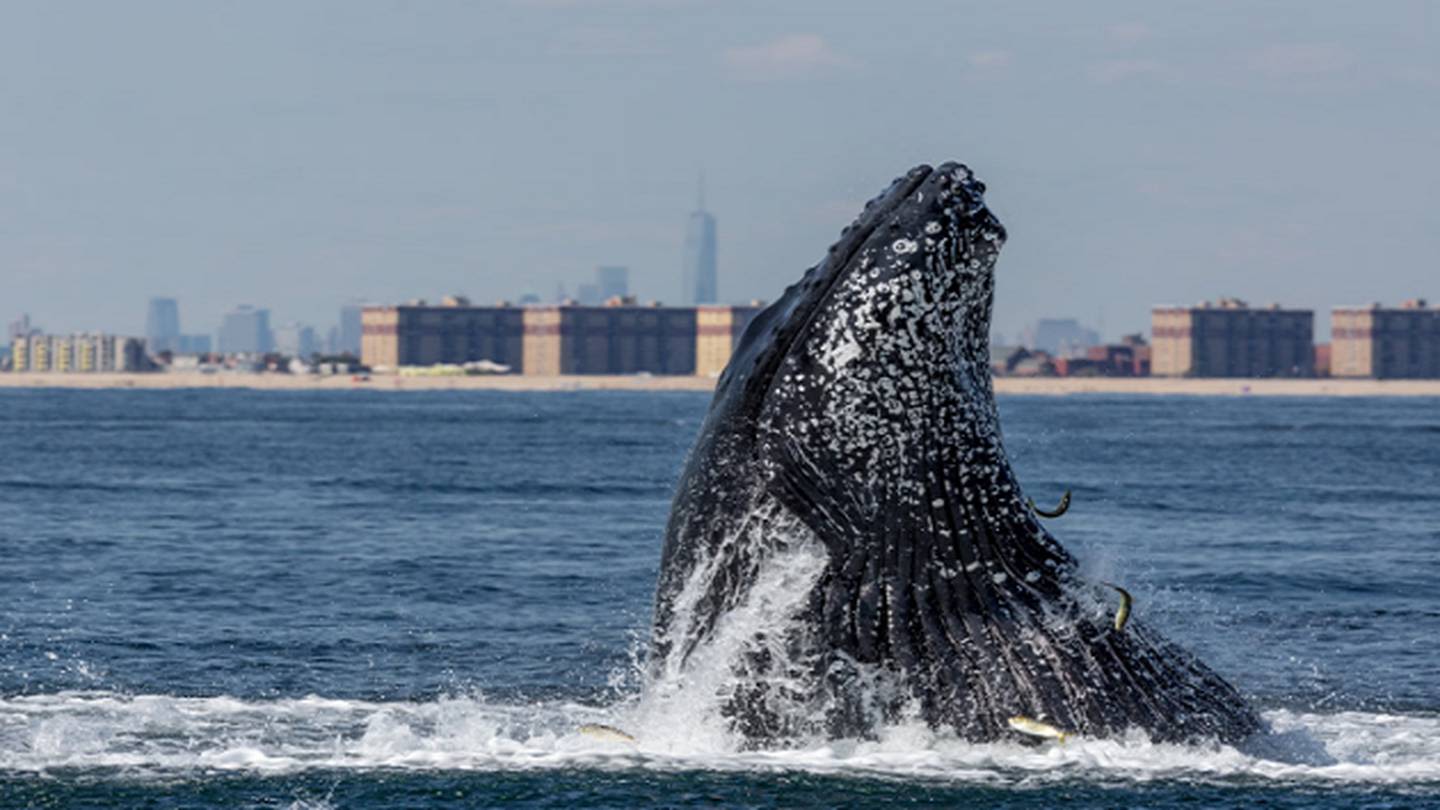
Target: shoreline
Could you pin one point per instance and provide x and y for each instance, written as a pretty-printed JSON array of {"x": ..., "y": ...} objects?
[{"x": 1027, "y": 386}]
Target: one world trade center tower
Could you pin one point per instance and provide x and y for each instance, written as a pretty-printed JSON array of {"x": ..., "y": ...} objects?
[{"x": 699, "y": 275}]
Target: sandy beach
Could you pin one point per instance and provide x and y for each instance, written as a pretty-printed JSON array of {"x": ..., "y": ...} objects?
[{"x": 1044, "y": 386}]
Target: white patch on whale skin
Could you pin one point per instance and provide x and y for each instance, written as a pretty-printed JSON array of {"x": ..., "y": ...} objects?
[
  {"x": 909, "y": 317},
  {"x": 842, "y": 354}
]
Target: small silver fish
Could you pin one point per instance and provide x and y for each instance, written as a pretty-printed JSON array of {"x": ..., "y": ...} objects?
[
  {"x": 1035, "y": 728},
  {"x": 606, "y": 733},
  {"x": 1122, "y": 613},
  {"x": 1059, "y": 510}
]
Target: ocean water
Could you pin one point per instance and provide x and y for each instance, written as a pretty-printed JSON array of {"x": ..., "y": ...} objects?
[{"x": 263, "y": 599}]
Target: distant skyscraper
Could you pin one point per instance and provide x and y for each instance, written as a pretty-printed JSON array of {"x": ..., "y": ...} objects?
[
  {"x": 19, "y": 328},
  {"x": 246, "y": 330},
  {"x": 588, "y": 295},
  {"x": 1059, "y": 336},
  {"x": 162, "y": 325},
  {"x": 614, "y": 282},
  {"x": 192, "y": 344},
  {"x": 347, "y": 337},
  {"x": 699, "y": 271},
  {"x": 296, "y": 340}
]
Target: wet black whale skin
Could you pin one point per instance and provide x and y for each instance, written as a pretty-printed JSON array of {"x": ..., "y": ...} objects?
[{"x": 860, "y": 407}]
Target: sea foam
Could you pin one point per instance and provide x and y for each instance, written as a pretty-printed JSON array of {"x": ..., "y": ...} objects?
[{"x": 164, "y": 736}]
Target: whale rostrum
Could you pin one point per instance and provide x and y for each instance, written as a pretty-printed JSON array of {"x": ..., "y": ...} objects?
[{"x": 848, "y": 539}]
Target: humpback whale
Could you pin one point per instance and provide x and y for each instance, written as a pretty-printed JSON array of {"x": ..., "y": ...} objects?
[{"x": 849, "y": 542}]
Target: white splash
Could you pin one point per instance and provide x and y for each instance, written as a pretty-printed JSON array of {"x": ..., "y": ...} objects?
[
  {"x": 682, "y": 704},
  {"x": 161, "y": 736}
]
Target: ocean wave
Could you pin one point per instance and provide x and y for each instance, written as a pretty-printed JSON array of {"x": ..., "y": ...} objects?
[
  {"x": 529, "y": 490},
  {"x": 128, "y": 488},
  {"x": 160, "y": 735}
]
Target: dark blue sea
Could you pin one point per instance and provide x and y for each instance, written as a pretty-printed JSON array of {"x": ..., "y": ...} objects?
[{"x": 344, "y": 600}]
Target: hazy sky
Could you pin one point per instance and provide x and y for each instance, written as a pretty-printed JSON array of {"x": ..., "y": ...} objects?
[{"x": 297, "y": 154}]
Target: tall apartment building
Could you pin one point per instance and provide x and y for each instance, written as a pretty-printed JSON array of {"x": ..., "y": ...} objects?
[
  {"x": 1393, "y": 343},
  {"x": 423, "y": 335},
  {"x": 1232, "y": 339},
  {"x": 718, "y": 330},
  {"x": 613, "y": 339},
  {"x": 618, "y": 338},
  {"x": 78, "y": 353}
]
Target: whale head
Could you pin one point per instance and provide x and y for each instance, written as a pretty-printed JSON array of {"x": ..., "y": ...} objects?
[
  {"x": 920, "y": 256},
  {"x": 883, "y": 391},
  {"x": 856, "y": 425}
]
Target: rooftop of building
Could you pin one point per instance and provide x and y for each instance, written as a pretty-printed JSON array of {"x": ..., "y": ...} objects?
[
  {"x": 74, "y": 336},
  {"x": 450, "y": 302},
  {"x": 1230, "y": 304},
  {"x": 1408, "y": 305}
]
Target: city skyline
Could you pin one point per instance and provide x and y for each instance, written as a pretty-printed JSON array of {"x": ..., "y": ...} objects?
[
  {"x": 1227, "y": 338},
  {"x": 1138, "y": 155}
]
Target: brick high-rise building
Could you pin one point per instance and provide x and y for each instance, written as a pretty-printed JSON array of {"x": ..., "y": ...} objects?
[
  {"x": 1395, "y": 343},
  {"x": 452, "y": 333},
  {"x": 621, "y": 337},
  {"x": 1232, "y": 339},
  {"x": 614, "y": 339},
  {"x": 718, "y": 330}
]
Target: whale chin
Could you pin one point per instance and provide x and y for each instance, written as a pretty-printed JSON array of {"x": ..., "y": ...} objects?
[{"x": 849, "y": 545}]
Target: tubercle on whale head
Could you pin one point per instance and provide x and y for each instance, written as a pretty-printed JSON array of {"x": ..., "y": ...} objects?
[
  {"x": 951, "y": 195},
  {"x": 917, "y": 292},
  {"x": 884, "y": 395}
]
